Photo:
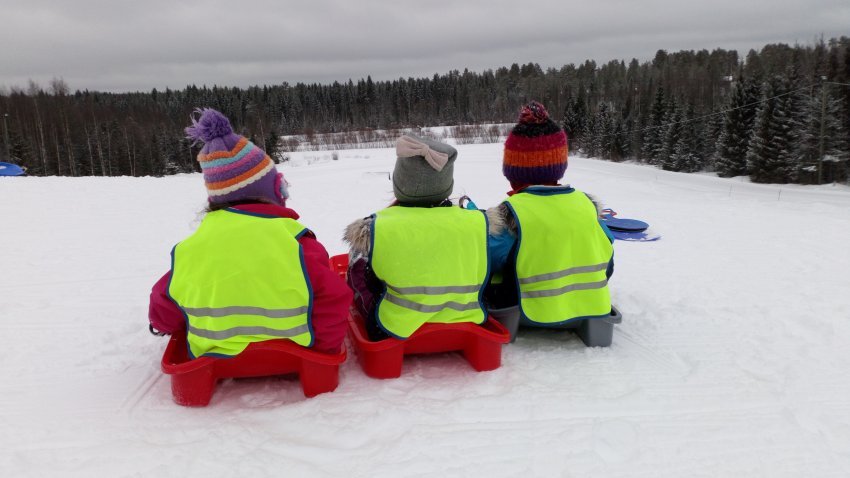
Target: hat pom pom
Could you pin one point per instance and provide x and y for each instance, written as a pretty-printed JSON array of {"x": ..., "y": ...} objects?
[
  {"x": 533, "y": 112},
  {"x": 209, "y": 126}
]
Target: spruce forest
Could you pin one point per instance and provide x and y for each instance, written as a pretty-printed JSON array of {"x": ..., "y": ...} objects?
[{"x": 779, "y": 115}]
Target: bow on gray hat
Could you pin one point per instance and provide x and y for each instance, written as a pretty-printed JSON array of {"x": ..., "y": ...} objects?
[
  {"x": 408, "y": 147},
  {"x": 424, "y": 171}
]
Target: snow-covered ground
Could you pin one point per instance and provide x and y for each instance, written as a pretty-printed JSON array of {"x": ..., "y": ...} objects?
[{"x": 732, "y": 359}]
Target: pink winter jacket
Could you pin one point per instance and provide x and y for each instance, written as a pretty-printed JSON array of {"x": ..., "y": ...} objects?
[{"x": 331, "y": 296}]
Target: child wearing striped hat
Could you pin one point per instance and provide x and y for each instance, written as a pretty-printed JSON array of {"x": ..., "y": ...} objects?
[
  {"x": 251, "y": 272},
  {"x": 550, "y": 253}
]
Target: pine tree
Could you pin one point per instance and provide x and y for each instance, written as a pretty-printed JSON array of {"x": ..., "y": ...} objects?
[
  {"x": 577, "y": 121},
  {"x": 731, "y": 158},
  {"x": 588, "y": 144},
  {"x": 653, "y": 139},
  {"x": 600, "y": 135},
  {"x": 836, "y": 146},
  {"x": 573, "y": 124},
  {"x": 709, "y": 140},
  {"x": 620, "y": 144},
  {"x": 687, "y": 154},
  {"x": 273, "y": 144},
  {"x": 798, "y": 95},
  {"x": 770, "y": 157},
  {"x": 672, "y": 134}
]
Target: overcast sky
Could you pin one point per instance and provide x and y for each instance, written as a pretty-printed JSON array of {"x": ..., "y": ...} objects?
[{"x": 117, "y": 45}]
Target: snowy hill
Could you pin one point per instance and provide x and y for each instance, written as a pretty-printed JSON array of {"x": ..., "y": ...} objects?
[{"x": 731, "y": 359}]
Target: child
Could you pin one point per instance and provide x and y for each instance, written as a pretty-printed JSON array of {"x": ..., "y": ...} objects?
[
  {"x": 250, "y": 272},
  {"x": 554, "y": 255},
  {"x": 421, "y": 260}
]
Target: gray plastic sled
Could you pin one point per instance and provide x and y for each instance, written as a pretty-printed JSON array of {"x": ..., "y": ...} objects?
[{"x": 597, "y": 332}]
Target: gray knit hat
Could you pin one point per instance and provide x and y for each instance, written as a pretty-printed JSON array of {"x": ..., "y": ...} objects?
[{"x": 424, "y": 171}]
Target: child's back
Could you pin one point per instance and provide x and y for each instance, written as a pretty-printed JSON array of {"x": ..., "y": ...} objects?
[
  {"x": 422, "y": 260},
  {"x": 251, "y": 272},
  {"x": 552, "y": 253}
]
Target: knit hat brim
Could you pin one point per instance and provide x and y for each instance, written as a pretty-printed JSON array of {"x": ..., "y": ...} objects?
[
  {"x": 261, "y": 190},
  {"x": 422, "y": 193}
]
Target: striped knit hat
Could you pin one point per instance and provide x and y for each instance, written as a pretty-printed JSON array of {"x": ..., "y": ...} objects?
[
  {"x": 235, "y": 169},
  {"x": 536, "y": 149}
]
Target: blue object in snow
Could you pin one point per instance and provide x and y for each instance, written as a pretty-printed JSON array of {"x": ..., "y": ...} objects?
[
  {"x": 627, "y": 229},
  {"x": 626, "y": 225},
  {"x": 9, "y": 169}
]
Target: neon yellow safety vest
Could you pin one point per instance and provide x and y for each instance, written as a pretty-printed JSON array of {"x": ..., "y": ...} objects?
[
  {"x": 562, "y": 256},
  {"x": 239, "y": 279},
  {"x": 433, "y": 263}
]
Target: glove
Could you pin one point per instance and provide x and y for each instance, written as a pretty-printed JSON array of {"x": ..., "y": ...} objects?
[
  {"x": 469, "y": 204},
  {"x": 153, "y": 331}
]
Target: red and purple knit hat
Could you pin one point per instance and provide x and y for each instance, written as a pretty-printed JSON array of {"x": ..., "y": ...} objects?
[
  {"x": 536, "y": 149},
  {"x": 235, "y": 169}
]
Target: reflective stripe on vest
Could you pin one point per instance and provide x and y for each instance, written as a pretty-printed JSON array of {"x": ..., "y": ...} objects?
[
  {"x": 240, "y": 279},
  {"x": 562, "y": 257},
  {"x": 433, "y": 263}
]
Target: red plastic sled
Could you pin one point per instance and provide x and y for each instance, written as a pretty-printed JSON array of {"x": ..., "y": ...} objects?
[
  {"x": 339, "y": 264},
  {"x": 481, "y": 345},
  {"x": 193, "y": 381}
]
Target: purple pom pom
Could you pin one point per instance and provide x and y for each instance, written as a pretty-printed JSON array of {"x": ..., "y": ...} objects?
[{"x": 209, "y": 126}]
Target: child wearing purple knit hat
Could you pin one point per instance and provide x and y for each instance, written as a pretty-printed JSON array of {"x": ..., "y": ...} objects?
[
  {"x": 235, "y": 169},
  {"x": 550, "y": 254},
  {"x": 250, "y": 272}
]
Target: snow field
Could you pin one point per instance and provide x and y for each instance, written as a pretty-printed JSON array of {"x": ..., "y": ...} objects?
[{"x": 731, "y": 359}]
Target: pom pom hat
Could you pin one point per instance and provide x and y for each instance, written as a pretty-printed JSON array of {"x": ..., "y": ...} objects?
[
  {"x": 234, "y": 168},
  {"x": 536, "y": 149}
]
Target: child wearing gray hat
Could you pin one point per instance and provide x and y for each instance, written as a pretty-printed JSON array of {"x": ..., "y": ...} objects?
[{"x": 423, "y": 259}]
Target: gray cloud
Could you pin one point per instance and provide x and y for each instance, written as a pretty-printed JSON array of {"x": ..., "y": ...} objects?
[{"x": 116, "y": 45}]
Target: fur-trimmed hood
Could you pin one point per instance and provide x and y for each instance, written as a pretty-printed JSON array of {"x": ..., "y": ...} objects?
[
  {"x": 358, "y": 235},
  {"x": 500, "y": 218}
]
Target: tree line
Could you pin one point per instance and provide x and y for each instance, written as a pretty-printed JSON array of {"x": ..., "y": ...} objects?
[
  {"x": 775, "y": 114},
  {"x": 780, "y": 115}
]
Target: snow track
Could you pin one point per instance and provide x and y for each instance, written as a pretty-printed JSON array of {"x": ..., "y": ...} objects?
[{"x": 731, "y": 359}]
